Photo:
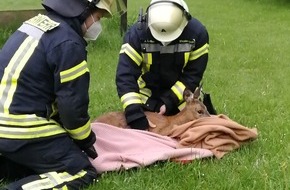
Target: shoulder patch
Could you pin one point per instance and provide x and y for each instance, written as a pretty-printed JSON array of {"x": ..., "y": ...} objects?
[{"x": 42, "y": 22}]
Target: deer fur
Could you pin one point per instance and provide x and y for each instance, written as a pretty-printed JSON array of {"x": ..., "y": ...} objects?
[{"x": 162, "y": 124}]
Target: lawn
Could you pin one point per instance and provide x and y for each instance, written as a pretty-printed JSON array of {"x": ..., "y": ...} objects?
[{"x": 248, "y": 78}]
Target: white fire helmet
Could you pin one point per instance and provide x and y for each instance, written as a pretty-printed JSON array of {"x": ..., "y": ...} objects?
[{"x": 167, "y": 19}]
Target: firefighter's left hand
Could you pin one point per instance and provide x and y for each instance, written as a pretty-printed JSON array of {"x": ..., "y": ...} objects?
[
  {"x": 87, "y": 145},
  {"x": 91, "y": 152}
]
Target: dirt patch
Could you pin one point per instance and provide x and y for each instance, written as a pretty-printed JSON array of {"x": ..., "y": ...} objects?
[{"x": 12, "y": 18}]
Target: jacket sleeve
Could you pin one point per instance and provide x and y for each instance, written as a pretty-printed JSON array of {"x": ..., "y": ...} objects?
[
  {"x": 193, "y": 71},
  {"x": 71, "y": 78},
  {"x": 127, "y": 74}
]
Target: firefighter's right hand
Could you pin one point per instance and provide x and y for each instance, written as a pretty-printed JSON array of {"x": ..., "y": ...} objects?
[
  {"x": 87, "y": 145},
  {"x": 140, "y": 123}
]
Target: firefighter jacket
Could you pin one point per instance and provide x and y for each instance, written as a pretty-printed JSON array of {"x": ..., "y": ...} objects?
[
  {"x": 150, "y": 74},
  {"x": 44, "y": 83}
]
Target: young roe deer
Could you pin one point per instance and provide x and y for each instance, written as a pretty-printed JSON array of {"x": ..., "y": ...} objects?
[{"x": 194, "y": 109}]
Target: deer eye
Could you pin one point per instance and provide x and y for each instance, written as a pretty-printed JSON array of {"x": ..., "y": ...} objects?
[{"x": 200, "y": 111}]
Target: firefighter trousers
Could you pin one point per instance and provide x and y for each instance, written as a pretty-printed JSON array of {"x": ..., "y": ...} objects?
[{"x": 55, "y": 163}]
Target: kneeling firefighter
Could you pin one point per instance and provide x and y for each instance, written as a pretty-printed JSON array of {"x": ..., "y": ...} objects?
[{"x": 45, "y": 134}]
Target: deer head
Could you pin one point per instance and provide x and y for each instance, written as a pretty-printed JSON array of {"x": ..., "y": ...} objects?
[{"x": 194, "y": 108}]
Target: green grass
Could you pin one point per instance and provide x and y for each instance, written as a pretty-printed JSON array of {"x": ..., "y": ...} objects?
[
  {"x": 20, "y": 4},
  {"x": 248, "y": 78}
]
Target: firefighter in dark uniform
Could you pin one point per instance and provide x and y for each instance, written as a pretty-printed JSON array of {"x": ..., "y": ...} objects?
[
  {"x": 163, "y": 53},
  {"x": 45, "y": 134}
]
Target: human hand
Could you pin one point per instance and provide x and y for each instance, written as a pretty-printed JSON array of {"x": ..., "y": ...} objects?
[
  {"x": 91, "y": 152},
  {"x": 87, "y": 145},
  {"x": 152, "y": 125},
  {"x": 162, "y": 110},
  {"x": 140, "y": 123}
]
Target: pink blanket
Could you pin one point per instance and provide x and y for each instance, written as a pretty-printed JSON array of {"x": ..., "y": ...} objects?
[{"x": 128, "y": 148}]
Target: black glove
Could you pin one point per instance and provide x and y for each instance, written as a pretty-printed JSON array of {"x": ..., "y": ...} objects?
[
  {"x": 153, "y": 105},
  {"x": 170, "y": 108},
  {"x": 140, "y": 123},
  {"x": 91, "y": 152},
  {"x": 87, "y": 145}
]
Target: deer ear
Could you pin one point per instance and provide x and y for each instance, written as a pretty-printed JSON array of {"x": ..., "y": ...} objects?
[
  {"x": 196, "y": 93},
  {"x": 188, "y": 95}
]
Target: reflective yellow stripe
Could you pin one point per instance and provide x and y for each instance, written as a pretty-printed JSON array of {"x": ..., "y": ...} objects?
[
  {"x": 74, "y": 72},
  {"x": 38, "y": 184},
  {"x": 132, "y": 53},
  {"x": 178, "y": 89},
  {"x": 130, "y": 98},
  {"x": 141, "y": 82},
  {"x": 146, "y": 91},
  {"x": 81, "y": 132},
  {"x": 30, "y": 133},
  {"x": 67, "y": 177},
  {"x": 199, "y": 52},
  {"x": 24, "y": 120},
  {"x": 186, "y": 58},
  {"x": 181, "y": 106},
  {"x": 27, "y": 127},
  {"x": 143, "y": 98},
  {"x": 12, "y": 72},
  {"x": 147, "y": 59},
  {"x": 52, "y": 179}
]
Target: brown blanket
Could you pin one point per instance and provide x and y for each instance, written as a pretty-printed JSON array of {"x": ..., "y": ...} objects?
[{"x": 217, "y": 133}]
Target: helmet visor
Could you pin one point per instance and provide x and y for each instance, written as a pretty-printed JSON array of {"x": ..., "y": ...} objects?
[{"x": 113, "y": 7}]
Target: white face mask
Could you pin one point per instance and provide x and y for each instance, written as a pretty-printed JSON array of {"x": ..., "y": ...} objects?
[{"x": 93, "y": 31}]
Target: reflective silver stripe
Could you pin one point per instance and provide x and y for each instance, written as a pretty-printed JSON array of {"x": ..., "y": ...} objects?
[
  {"x": 130, "y": 98},
  {"x": 178, "y": 89},
  {"x": 81, "y": 132},
  {"x": 38, "y": 184},
  {"x": 132, "y": 53},
  {"x": 13, "y": 70},
  {"x": 27, "y": 127},
  {"x": 183, "y": 47},
  {"x": 146, "y": 91},
  {"x": 52, "y": 179},
  {"x": 74, "y": 72},
  {"x": 30, "y": 133},
  {"x": 23, "y": 120},
  {"x": 31, "y": 31}
]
